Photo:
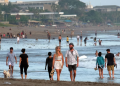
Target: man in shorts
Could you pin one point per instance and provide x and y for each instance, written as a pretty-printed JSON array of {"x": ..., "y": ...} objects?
[
  {"x": 72, "y": 61},
  {"x": 10, "y": 59},
  {"x": 59, "y": 38},
  {"x": 110, "y": 60}
]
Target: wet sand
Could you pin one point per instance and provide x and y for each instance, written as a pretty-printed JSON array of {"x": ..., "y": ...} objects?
[
  {"x": 39, "y": 32},
  {"x": 29, "y": 82}
]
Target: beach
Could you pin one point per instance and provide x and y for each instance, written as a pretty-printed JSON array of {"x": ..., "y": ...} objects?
[
  {"x": 29, "y": 82},
  {"x": 40, "y": 32},
  {"x": 37, "y": 52}
]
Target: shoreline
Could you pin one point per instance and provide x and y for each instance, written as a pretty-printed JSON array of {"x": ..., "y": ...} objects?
[
  {"x": 39, "y": 33},
  {"x": 36, "y": 82}
]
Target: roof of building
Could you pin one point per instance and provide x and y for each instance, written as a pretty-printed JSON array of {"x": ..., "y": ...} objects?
[
  {"x": 21, "y": 2},
  {"x": 107, "y": 6}
]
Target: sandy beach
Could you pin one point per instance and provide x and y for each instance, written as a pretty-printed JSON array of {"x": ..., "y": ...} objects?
[
  {"x": 29, "y": 82},
  {"x": 39, "y": 32}
]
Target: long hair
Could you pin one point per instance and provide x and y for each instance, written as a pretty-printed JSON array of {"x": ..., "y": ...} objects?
[{"x": 56, "y": 51}]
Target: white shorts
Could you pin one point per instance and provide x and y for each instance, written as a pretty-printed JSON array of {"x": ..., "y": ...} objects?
[
  {"x": 58, "y": 65},
  {"x": 9, "y": 63}
]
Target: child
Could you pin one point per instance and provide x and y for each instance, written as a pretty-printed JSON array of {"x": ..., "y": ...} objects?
[
  {"x": 49, "y": 61},
  {"x": 100, "y": 62}
]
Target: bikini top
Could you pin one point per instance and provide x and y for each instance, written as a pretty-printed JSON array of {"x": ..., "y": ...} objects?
[{"x": 58, "y": 58}]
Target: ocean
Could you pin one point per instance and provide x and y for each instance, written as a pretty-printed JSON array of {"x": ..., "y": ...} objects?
[{"x": 38, "y": 50}]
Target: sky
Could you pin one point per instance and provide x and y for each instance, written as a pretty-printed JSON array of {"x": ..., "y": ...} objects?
[{"x": 93, "y": 2}]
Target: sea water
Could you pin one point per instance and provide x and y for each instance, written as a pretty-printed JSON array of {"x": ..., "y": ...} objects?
[{"x": 37, "y": 52}]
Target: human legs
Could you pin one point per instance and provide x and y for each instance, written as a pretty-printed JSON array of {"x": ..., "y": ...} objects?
[
  {"x": 11, "y": 68},
  {"x": 74, "y": 74},
  {"x": 49, "y": 71},
  {"x": 21, "y": 71},
  {"x": 100, "y": 72},
  {"x": 58, "y": 75},
  {"x": 25, "y": 71},
  {"x": 71, "y": 75},
  {"x": 110, "y": 74}
]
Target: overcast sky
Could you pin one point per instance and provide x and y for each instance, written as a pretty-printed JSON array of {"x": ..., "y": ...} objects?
[{"x": 93, "y": 2}]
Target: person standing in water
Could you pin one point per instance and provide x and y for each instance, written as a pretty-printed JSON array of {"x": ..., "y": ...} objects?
[
  {"x": 96, "y": 53},
  {"x": 23, "y": 63},
  {"x": 49, "y": 36},
  {"x": 72, "y": 61},
  {"x": 49, "y": 61},
  {"x": 100, "y": 62},
  {"x": 96, "y": 33},
  {"x": 0, "y": 39},
  {"x": 67, "y": 40},
  {"x": 18, "y": 39},
  {"x": 10, "y": 59},
  {"x": 85, "y": 41},
  {"x": 95, "y": 42},
  {"x": 100, "y": 42},
  {"x": 81, "y": 37},
  {"x": 59, "y": 38},
  {"x": 58, "y": 62},
  {"x": 78, "y": 37},
  {"x": 110, "y": 60}
]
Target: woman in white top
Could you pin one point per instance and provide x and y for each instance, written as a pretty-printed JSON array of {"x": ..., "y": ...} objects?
[{"x": 58, "y": 62}]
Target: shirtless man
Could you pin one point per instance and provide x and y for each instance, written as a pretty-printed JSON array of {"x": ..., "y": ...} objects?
[
  {"x": 48, "y": 35},
  {"x": 59, "y": 38},
  {"x": 96, "y": 53}
]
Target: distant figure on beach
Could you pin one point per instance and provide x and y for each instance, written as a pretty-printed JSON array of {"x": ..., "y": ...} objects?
[
  {"x": 58, "y": 62},
  {"x": 100, "y": 62},
  {"x": 118, "y": 35},
  {"x": 18, "y": 39},
  {"x": 30, "y": 33},
  {"x": 72, "y": 61},
  {"x": 81, "y": 37},
  {"x": 118, "y": 54},
  {"x": 96, "y": 33},
  {"x": 96, "y": 53},
  {"x": 0, "y": 39},
  {"x": 78, "y": 37},
  {"x": 10, "y": 59},
  {"x": 67, "y": 40},
  {"x": 100, "y": 42},
  {"x": 95, "y": 41},
  {"x": 23, "y": 63},
  {"x": 72, "y": 33},
  {"x": 48, "y": 35},
  {"x": 110, "y": 60},
  {"x": 49, "y": 62},
  {"x": 59, "y": 38},
  {"x": 85, "y": 41}
]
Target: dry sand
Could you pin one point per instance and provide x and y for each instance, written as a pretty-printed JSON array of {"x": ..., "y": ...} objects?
[
  {"x": 29, "y": 82},
  {"x": 40, "y": 33}
]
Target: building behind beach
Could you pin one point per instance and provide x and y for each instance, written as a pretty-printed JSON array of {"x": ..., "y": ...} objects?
[
  {"x": 107, "y": 8},
  {"x": 4, "y": 2},
  {"x": 36, "y": 4}
]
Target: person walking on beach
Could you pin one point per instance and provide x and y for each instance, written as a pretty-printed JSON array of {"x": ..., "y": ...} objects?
[
  {"x": 96, "y": 33},
  {"x": 48, "y": 35},
  {"x": 72, "y": 61},
  {"x": 95, "y": 42},
  {"x": 30, "y": 33},
  {"x": 23, "y": 63},
  {"x": 49, "y": 62},
  {"x": 10, "y": 59},
  {"x": 110, "y": 60},
  {"x": 59, "y": 38},
  {"x": 67, "y": 40},
  {"x": 58, "y": 62},
  {"x": 100, "y": 62}
]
